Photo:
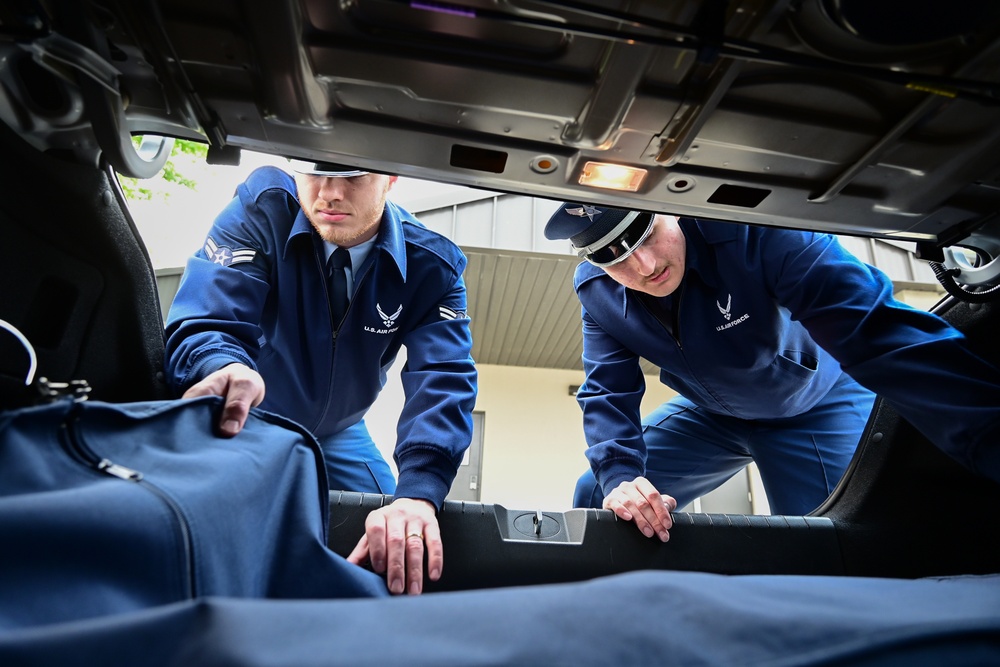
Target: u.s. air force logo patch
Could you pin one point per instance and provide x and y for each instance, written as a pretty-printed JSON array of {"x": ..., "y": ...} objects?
[
  {"x": 727, "y": 313},
  {"x": 388, "y": 320},
  {"x": 225, "y": 255}
]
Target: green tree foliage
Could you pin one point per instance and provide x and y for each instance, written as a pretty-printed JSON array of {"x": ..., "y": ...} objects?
[{"x": 184, "y": 154}]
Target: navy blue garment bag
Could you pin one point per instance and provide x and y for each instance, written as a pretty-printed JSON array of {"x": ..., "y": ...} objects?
[{"x": 112, "y": 508}]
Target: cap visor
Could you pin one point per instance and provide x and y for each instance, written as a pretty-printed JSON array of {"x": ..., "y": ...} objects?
[{"x": 325, "y": 169}]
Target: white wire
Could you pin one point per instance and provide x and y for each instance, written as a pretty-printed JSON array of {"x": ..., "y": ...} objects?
[{"x": 33, "y": 365}]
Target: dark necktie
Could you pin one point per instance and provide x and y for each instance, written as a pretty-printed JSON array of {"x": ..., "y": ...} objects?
[{"x": 337, "y": 277}]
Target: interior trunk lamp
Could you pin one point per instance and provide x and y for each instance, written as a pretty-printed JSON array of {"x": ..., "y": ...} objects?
[{"x": 612, "y": 176}]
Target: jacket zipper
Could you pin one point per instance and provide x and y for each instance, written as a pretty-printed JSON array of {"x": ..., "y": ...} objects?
[
  {"x": 334, "y": 326},
  {"x": 675, "y": 334},
  {"x": 355, "y": 288},
  {"x": 335, "y": 331},
  {"x": 108, "y": 467},
  {"x": 675, "y": 312}
]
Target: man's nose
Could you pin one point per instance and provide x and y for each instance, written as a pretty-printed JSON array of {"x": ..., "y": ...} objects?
[
  {"x": 331, "y": 188},
  {"x": 642, "y": 260}
]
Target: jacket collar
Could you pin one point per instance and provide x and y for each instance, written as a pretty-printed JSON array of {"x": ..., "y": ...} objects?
[
  {"x": 701, "y": 238},
  {"x": 390, "y": 238}
]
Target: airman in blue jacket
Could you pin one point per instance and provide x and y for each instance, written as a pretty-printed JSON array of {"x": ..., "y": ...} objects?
[
  {"x": 773, "y": 339},
  {"x": 256, "y": 309}
]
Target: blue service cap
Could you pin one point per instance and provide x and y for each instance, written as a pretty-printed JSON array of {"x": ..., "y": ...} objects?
[
  {"x": 584, "y": 224},
  {"x": 332, "y": 169}
]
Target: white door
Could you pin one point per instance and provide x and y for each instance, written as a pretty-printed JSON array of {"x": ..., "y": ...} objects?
[{"x": 468, "y": 481}]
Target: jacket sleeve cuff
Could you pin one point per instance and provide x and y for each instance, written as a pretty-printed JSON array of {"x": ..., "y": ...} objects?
[
  {"x": 209, "y": 363},
  {"x": 610, "y": 480},
  {"x": 424, "y": 474}
]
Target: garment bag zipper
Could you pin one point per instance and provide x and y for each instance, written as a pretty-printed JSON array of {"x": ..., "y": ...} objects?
[{"x": 108, "y": 467}]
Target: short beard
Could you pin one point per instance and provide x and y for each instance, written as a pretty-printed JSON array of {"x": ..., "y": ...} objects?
[{"x": 338, "y": 238}]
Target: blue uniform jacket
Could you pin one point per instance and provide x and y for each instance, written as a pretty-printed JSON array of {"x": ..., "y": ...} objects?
[
  {"x": 256, "y": 294},
  {"x": 763, "y": 324}
]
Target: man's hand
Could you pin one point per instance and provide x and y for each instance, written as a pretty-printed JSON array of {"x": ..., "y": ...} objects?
[
  {"x": 395, "y": 539},
  {"x": 241, "y": 386},
  {"x": 639, "y": 501}
]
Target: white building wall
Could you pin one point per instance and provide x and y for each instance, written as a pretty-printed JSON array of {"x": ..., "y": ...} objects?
[{"x": 533, "y": 440}]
